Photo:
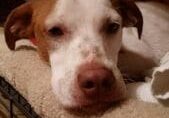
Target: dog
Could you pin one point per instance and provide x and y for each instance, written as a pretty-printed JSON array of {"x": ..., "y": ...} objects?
[{"x": 81, "y": 40}]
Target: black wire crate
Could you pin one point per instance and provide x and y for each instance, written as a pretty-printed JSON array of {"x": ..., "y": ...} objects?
[{"x": 16, "y": 99}]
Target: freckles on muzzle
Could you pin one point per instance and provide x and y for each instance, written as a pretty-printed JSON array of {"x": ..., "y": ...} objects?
[{"x": 86, "y": 83}]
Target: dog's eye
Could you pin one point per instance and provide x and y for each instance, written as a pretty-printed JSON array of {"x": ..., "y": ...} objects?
[
  {"x": 55, "y": 31},
  {"x": 112, "y": 28}
]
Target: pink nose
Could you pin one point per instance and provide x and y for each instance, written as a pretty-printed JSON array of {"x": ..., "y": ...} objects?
[{"x": 95, "y": 81}]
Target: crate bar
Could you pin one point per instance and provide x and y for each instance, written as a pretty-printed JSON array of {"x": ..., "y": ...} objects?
[{"x": 19, "y": 101}]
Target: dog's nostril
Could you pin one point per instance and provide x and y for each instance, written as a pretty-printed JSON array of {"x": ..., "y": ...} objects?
[
  {"x": 88, "y": 85},
  {"x": 107, "y": 83}
]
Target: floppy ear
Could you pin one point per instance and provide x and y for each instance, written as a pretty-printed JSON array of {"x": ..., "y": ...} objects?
[
  {"x": 131, "y": 15},
  {"x": 19, "y": 25}
]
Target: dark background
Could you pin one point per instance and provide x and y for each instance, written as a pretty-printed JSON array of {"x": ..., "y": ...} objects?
[{"x": 6, "y": 6}]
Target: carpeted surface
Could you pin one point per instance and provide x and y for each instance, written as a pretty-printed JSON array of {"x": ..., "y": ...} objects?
[{"x": 4, "y": 103}]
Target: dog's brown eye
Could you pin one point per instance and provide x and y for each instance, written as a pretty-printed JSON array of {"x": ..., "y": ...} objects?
[
  {"x": 56, "y": 31},
  {"x": 112, "y": 28}
]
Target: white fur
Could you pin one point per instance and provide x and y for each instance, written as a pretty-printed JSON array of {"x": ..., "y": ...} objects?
[{"x": 84, "y": 44}]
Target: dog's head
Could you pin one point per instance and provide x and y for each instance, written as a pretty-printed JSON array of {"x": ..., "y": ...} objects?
[{"x": 81, "y": 40}]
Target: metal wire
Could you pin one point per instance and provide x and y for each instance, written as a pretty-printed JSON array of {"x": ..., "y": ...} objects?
[{"x": 15, "y": 98}]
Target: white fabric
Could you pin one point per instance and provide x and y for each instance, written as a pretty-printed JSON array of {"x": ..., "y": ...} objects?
[
  {"x": 160, "y": 82},
  {"x": 156, "y": 90}
]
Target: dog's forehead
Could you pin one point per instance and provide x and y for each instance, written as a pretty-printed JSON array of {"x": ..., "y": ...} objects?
[
  {"x": 80, "y": 10},
  {"x": 92, "y": 5}
]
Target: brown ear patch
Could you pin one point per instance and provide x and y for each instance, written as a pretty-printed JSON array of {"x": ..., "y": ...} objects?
[
  {"x": 19, "y": 25},
  {"x": 131, "y": 15}
]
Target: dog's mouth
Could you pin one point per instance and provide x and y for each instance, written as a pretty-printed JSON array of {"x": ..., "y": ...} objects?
[
  {"x": 93, "y": 108},
  {"x": 90, "y": 108},
  {"x": 96, "y": 105}
]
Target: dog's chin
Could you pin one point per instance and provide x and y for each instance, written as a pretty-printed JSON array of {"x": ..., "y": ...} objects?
[
  {"x": 92, "y": 107},
  {"x": 95, "y": 108}
]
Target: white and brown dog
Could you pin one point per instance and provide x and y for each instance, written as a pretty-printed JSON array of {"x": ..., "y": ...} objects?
[{"x": 81, "y": 40}]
